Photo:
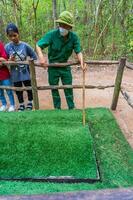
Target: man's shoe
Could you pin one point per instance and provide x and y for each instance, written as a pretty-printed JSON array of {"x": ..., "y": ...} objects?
[
  {"x": 72, "y": 108},
  {"x": 57, "y": 108}
]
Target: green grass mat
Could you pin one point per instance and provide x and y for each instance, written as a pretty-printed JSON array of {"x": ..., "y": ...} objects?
[
  {"x": 115, "y": 158},
  {"x": 45, "y": 143}
]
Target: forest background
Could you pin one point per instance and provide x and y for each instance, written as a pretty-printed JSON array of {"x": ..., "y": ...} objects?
[{"x": 105, "y": 27}]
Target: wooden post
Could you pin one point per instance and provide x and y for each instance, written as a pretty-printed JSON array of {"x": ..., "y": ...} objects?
[
  {"x": 83, "y": 98},
  {"x": 118, "y": 81},
  {"x": 34, "y": 85}
]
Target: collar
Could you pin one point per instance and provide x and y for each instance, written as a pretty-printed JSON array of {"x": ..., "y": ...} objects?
[{"x": 60, "y": 36}]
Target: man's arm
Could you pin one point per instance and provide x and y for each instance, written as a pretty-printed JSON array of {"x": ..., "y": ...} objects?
[
  {"x": 77, "y": 49},
  {"x": 42, "y": 60},
  {"x": 81, "y": 60},
  {"x": 44, "y": 42}
]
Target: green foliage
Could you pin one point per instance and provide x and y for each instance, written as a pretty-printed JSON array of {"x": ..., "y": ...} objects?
[{"x": 105, "y": 27}]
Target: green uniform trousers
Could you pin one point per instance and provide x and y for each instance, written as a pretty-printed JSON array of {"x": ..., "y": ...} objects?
[{"x": 54, "y": 75}]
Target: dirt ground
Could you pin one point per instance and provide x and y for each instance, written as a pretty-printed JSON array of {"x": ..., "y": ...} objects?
[{"x": 96, "y": 75}]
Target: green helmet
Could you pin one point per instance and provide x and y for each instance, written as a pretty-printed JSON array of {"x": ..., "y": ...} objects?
[{"x": 66, "y": 18}]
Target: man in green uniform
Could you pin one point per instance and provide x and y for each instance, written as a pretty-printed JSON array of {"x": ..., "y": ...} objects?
[{"x": 60, "y": 42}]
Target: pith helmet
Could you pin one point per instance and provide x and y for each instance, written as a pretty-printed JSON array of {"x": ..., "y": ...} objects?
[{"x": 66, "y": 18}]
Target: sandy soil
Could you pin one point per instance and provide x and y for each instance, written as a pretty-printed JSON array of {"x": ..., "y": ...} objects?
[{"x": 96, "y": 75}]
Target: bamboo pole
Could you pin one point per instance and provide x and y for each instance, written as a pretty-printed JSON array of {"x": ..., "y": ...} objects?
[
  {"x": 127, "y": 98},
  {"x": 129, "y": 65},
  {"x": 37, "y": 64},
  {"x": 83, "y": 98},
  {"x": 118, "y": 83},
  {"x": 50, "y": 87},
  {"x": 34, "y": 85},
  {"x": 100, "y": 87},
  {"x": 102, "y": 62}
]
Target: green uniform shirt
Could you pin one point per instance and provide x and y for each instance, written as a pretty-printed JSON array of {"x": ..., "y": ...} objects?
[{"x": 59, "y": 50}]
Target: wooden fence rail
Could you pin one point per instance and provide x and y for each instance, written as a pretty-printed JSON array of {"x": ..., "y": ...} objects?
[
  {"x": 89, "y": 62},
  {"x": 129, "y": 65},
  {"x": 127, "y": 98},
  {"x": 35, "y": 88},
  {"x": 50, "y": 87}
]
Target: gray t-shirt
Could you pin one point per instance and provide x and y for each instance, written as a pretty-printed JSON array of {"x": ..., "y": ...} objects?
[{"x": 21, "y": 51}]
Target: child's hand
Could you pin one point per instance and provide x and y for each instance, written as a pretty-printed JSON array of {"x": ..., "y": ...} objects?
[
  {"x": 2, "y": 59},
  {"x": 12, "y": 58}
]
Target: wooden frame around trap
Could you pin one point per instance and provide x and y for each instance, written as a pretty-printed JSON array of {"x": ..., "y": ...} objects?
[{"x": 63, "y": 179}]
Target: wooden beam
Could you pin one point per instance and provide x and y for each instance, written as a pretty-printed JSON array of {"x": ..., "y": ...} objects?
[
  {"x": 69, "y": 63},
  {"x": 129, "y": 65},
  {"x": 83, "y": 99},
  {"x": 37, "y": 64},
  {"x": 102, "y": 62},
  {"x": 49, "y": 87},
  {"x": 118, "y": 81},
  {"x": 34, "y": 85},
  {"x": 15, "y": 88},
  {"x": 127, "y": 97}
]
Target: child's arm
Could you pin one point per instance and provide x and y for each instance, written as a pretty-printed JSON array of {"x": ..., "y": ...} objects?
[
  {"x": 31, "y": 52},
  {"x": 3, "y": 55},
  {"x": 2, "y": 59}
]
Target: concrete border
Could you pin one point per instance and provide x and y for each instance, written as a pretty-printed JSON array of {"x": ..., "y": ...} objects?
[{"x": 115, "y": 194}]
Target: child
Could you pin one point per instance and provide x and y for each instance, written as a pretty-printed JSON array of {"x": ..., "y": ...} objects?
[
  {"x": 20, "y": 74},
  {"x": 5, "y": 81}
]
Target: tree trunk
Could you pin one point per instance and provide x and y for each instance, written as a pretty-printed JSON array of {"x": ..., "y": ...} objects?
[
  {"x": 35, "y": 6},
  {"x": 113, "y": 26},
  {"x": 54, "y": 12}
]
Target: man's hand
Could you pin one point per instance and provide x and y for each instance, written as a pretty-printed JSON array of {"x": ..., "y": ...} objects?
[
  {"x": 80, "y": 59},
  {"x": 84, "y": 67},
  {"x": 43, "y": 62}
]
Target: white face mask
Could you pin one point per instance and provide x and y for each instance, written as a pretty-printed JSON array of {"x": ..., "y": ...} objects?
[{"x": 63, "y": 31}]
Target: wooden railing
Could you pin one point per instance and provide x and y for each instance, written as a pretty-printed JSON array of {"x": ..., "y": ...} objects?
[{"x": 117, "y": 86}]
